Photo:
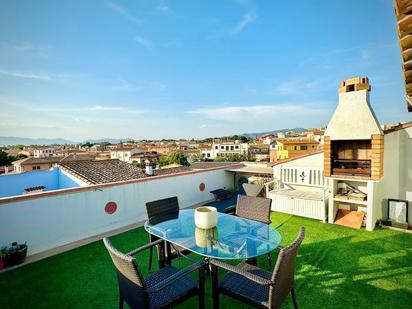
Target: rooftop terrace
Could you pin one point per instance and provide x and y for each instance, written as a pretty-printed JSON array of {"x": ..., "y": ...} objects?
[{"x": 337, "y": 267}]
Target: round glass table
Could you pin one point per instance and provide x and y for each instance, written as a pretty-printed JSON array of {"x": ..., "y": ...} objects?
[{"x": 233, "y": 237}]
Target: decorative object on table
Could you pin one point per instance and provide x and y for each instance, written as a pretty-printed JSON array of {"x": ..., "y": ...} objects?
[
  {"x": 14, "y": 254},
  {"x": 206, "y": 217},
  {"x": 397, "y": 214},
  {"x": 205, "y": 238}
]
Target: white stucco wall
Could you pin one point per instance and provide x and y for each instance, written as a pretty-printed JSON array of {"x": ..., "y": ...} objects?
[
  {"x": 397, "y": 174},
  {"x": 313, "y": 161},
  {"x": 353, "y": 118},
  {"x": 55, "y": 220}
]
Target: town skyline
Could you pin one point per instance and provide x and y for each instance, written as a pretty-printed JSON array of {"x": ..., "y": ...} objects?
[{"x": 176, "y": 70}]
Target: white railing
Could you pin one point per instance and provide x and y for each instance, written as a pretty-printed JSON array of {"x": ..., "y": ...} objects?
[
  {"x": 303, "y": 176},
  {"x": 299, "y": 179}
]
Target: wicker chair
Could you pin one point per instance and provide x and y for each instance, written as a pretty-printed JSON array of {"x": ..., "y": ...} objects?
[
  {"x": 158, "y": 211},
  {"x": 254, "y": 208},
  {"x": 258, "y": 287},
  {"x": 167, "y": 287}
]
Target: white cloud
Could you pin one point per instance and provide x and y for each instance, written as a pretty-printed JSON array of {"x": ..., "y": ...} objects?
[
  {"x": 28, "y": 75},
  {"x": 122, "y": 11},
  {"x": 263, "y": 112},
  {"x": 163, "y": 8},
  {"x": 298, "y": 87},
  {"x": 126, "y": 85},
  {"x": 143, "y": 41},
  {"x": 42, "y": 50},
  {"x": 248, "y": 18}
]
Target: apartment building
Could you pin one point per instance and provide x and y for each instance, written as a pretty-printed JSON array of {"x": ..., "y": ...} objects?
[
  {"x": 221, "y": 149},
  {"x": 123, "y": 153},
  {"x": 290, "y": 148},
  {"x": 44, "y": 152}
]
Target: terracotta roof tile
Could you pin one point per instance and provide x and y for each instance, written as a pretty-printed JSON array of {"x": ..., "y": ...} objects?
[{"x": 107, "y": 171}]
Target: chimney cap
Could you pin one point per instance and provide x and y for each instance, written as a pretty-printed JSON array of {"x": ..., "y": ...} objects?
[{"x": 354, "y": 84}]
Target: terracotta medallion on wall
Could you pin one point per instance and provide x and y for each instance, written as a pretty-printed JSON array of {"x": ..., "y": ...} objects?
[
  {"x": 110, "y": 208},
  {"x": 202, "y": 187}
]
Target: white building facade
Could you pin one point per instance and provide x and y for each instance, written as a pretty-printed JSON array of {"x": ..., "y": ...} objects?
[
  {"x": 123, "y": 154},
  {"x": 222, "y": 149},
  {"x": 44, "y": 152}
]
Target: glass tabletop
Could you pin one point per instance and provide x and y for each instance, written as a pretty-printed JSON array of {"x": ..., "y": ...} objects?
[{"x": 232, "y": 238}]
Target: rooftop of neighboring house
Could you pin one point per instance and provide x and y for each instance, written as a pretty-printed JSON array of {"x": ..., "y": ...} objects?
[
  {"x": 228, "y": 142},
  {"x": 397, "y": 127},
  {"x": 53, "y": 159},
  {"x": 123, "y": 148},
  {"x": 297, "y": 141},
  {"x": 148, "y": 154},
  {"x": 107, "y": 171}
]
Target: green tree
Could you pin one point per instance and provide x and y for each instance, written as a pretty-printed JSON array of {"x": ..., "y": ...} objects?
[
  {"x": 139, "y": 165},
  {"x": 5, "y": 158},
  {"x": 20, "y": 146},
  {"x": 174, "y": 157},
  {"x": 87, "y": 144},
  {"x": 232, "y": 157}
]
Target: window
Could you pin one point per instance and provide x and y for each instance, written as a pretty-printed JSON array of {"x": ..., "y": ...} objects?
[
  {"x": 237, "y": 147},
  {"x": 232, "y": 148},
  {"x": 303, "y": 147},
  {"x": 216, "y": 147},
  {"x": 227, "y": 148},
  {"x": 37, "y": 167},
  {"x": 208, "y": 155},
  {"x": 222, "y": 147}
]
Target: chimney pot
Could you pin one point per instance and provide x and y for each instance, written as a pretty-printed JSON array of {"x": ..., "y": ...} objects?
[{"x": 149, "y": 168}]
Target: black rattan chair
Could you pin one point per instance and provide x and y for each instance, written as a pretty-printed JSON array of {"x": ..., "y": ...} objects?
[
  {"x": 167, "y": 287},
  {"x": 254, "y": 208},
  {"x": 258, "y": 287},
  {"x": 158, "y": 211}
]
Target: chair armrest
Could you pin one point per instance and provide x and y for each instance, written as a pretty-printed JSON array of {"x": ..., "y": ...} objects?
[
  {"x": 241, "y": 272},
  {"x": 147, "y": 246},
  {"x": 161, "y": 285}
]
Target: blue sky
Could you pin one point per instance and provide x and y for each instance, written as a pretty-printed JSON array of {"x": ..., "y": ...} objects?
[{"x": 183, "y": 69}]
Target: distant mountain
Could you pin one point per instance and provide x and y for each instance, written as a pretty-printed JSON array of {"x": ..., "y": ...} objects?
[
  {"x": 109, "y": 140},
  {"x": 255, "y": 135},
  {"x": 11, "y": 140}
]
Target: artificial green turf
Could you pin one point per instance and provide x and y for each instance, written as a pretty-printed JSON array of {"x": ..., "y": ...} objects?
[{"x": 337, "y": 267}]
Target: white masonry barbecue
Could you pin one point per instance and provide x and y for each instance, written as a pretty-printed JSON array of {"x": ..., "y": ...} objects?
[{"x": 353, "y": 156}]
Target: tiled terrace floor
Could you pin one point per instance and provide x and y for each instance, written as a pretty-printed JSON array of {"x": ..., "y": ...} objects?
[{"x": 337, "y": 268}]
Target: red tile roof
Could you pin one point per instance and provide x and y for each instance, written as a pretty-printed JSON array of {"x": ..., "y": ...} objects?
[{"x": 108, "y": 171}]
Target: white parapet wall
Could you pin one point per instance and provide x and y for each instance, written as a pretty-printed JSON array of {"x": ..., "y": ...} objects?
[{"x": 53, "y": 219}]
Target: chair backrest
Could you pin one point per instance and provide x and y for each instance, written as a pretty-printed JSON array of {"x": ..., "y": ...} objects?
[
  {"x": 163, "y": 207},
  {"x": 284, "y": 272},
  {"x": 254, "y": 208},
  {"x": 131, "y": 282}
]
